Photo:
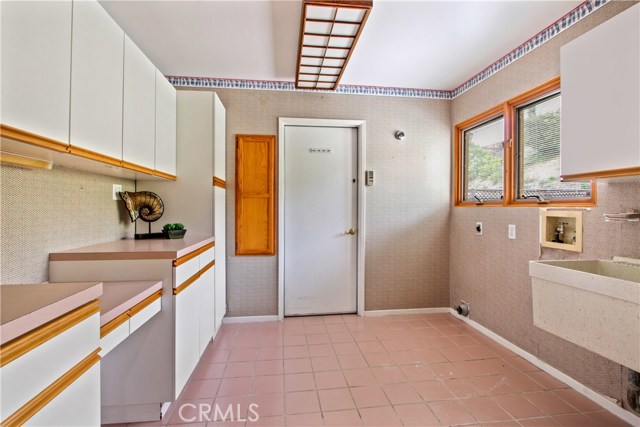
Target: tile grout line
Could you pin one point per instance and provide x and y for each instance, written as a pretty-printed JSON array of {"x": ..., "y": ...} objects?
[{"x": 557, "y": 374}]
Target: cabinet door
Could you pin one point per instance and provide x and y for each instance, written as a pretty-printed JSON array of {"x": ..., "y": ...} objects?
[
  {"x": 221, "y": 255},
  {"x": 96, "y": 80},
  {"x": 187, "y": 320},
  {"x": 139, "y": 108},
  {"x": 76, "y": 405},
  {"x": 36, "y": 67},
  {"x": 601, "y": 97},
  {"x": 207, "y": 308},
  {"x": 165, "y": 125},
  {"x": 219, "y": 138}
]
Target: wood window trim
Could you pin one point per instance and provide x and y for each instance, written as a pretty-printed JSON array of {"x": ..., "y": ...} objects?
[
  {"x": 485, "y": 116},
  {"x": 507, "y": 109}
]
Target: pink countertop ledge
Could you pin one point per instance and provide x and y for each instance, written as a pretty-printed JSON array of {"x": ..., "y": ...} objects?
[
  {"x": 135, "y": 249},
  {"x": 118, "y": 297},
  {"x": 26, "y": 307}
]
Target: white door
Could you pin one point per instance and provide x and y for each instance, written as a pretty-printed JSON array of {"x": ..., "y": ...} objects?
[{"x": 320, "y": 209}]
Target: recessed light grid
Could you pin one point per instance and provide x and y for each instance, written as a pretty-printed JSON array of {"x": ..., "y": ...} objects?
[{"x": 329, "y": 32}]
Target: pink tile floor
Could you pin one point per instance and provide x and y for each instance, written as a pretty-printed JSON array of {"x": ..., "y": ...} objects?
[{"x": 414, "y": 370}]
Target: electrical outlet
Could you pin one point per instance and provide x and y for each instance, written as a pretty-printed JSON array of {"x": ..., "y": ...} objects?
[
  {"x": 117, "y": 188},
  {"x": 512, "y": 231},
  {"x": 478, "y": 228}
]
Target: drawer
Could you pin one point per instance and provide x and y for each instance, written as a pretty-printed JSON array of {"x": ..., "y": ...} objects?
[
  {"x": 207, "y": 257},
  {"x": 186, "y": 270},
  {"x": 77, "y": 405},
  {"x": 114, "y": 337},
  {"x": 141, "y": 317},
  {"x": 32, "y": 372}
]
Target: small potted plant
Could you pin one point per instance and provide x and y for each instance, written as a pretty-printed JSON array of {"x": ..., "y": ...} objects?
[{"x": 174, "y": 231}]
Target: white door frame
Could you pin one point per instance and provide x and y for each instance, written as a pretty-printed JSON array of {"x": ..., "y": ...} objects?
[{"x": 360, "y": 125}]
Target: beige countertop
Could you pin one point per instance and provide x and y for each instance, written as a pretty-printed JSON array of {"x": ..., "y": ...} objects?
[
  {"x": 135, "y": 249},
  {"x": 118, "y": 297},
  {"x": 26, "y": 307}
]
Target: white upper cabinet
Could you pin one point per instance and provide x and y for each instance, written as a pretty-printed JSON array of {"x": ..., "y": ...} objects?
[
  {"x": 36, "y": 67},
  {"x": 96, "y": 80},
  {"x": 601, "y": 99},
  {"x": 219, "y": 138},
  {"x": 139, "y": 115},
  {"x": 165, "y": 152}
]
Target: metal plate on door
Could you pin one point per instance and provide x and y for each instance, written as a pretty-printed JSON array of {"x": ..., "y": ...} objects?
[{"x": 320, "y": 150}]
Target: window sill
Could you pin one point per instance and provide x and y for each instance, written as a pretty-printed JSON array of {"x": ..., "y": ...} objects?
[{"x": 529, "y": 204}]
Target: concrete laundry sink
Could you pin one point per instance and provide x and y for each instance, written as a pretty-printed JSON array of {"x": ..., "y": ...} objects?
[{"x": 592, "y": 303}]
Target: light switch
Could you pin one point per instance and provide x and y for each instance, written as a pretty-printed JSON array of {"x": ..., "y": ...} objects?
[{"x": 512, "y": 231}]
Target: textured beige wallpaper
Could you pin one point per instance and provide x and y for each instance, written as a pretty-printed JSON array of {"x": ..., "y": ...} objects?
[
  {"x": 46, "y": 211},
  {"x": 407, "y": 211},
  {"x": 491, "y": 271}
]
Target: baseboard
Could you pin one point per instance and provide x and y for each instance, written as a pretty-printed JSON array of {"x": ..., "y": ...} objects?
[
  {"x": 577, "y": 386},
  {"x": 377, "y": 313},
  {"x": 250, "y": 319}
]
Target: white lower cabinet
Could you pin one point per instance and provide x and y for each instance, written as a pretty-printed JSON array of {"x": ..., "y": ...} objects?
[
  {"x": 195, "y": 305},
  {"x": 62, "y": 371},
  {"x": 187, "y": 334},
  {"x": 77, "y": 405},
  {"x": 154, "y": 363},
  {"x": 207, "y": 308}
]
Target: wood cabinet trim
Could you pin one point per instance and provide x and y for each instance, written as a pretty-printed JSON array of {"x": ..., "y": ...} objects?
[
  {"x": 113, "y": 324},
  {"x": 611, "y": 173},
  {"x": 32, "y": 139},
  {"x": 164, "y": 175},
  {"x": 29, "y": 409},
  {"x": 193, "y": 278},
  {"x": 144, "y": 303},
  {"x": 61, "y": 147},
  {"x": 191, "y": 255},
  {"x": 137, "y": 168},
  {"x": 92, "y": 155},
  {"x": 184, "y": 285},
  {"x": 207, "y": 267},
  {"x": 27, "y": 342},
  {"x": 219, "y": 182}
]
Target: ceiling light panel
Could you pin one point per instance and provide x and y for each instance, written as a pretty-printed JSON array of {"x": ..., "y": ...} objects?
[{"x": 329, "y": 33}]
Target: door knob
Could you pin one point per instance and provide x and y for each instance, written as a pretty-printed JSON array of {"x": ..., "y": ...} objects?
[{"x": 351, "y": 232}]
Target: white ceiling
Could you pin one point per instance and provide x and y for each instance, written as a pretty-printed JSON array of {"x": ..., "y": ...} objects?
[{"x": 407, "y": 44}]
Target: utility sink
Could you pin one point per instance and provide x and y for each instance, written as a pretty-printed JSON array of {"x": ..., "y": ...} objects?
[{"x": 592, "y": 303}]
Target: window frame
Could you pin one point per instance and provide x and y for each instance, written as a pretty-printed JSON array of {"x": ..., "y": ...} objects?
[{"x": 508, "y": 110}]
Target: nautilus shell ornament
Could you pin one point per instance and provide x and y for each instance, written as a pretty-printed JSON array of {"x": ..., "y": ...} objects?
[{"x": 143, "y": 204}]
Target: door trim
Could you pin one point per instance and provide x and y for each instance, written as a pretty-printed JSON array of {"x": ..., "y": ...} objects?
[{"x": 360, "y": 125}]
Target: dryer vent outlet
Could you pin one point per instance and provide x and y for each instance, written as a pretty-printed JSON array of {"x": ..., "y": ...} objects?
[{"x": 463, "y": 308}]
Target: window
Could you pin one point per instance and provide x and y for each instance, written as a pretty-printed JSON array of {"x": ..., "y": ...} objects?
[
  {"x": 537, "y": 153},
  {"x": 510, "y": 155},
  {"x": 484, "y": 161}
]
